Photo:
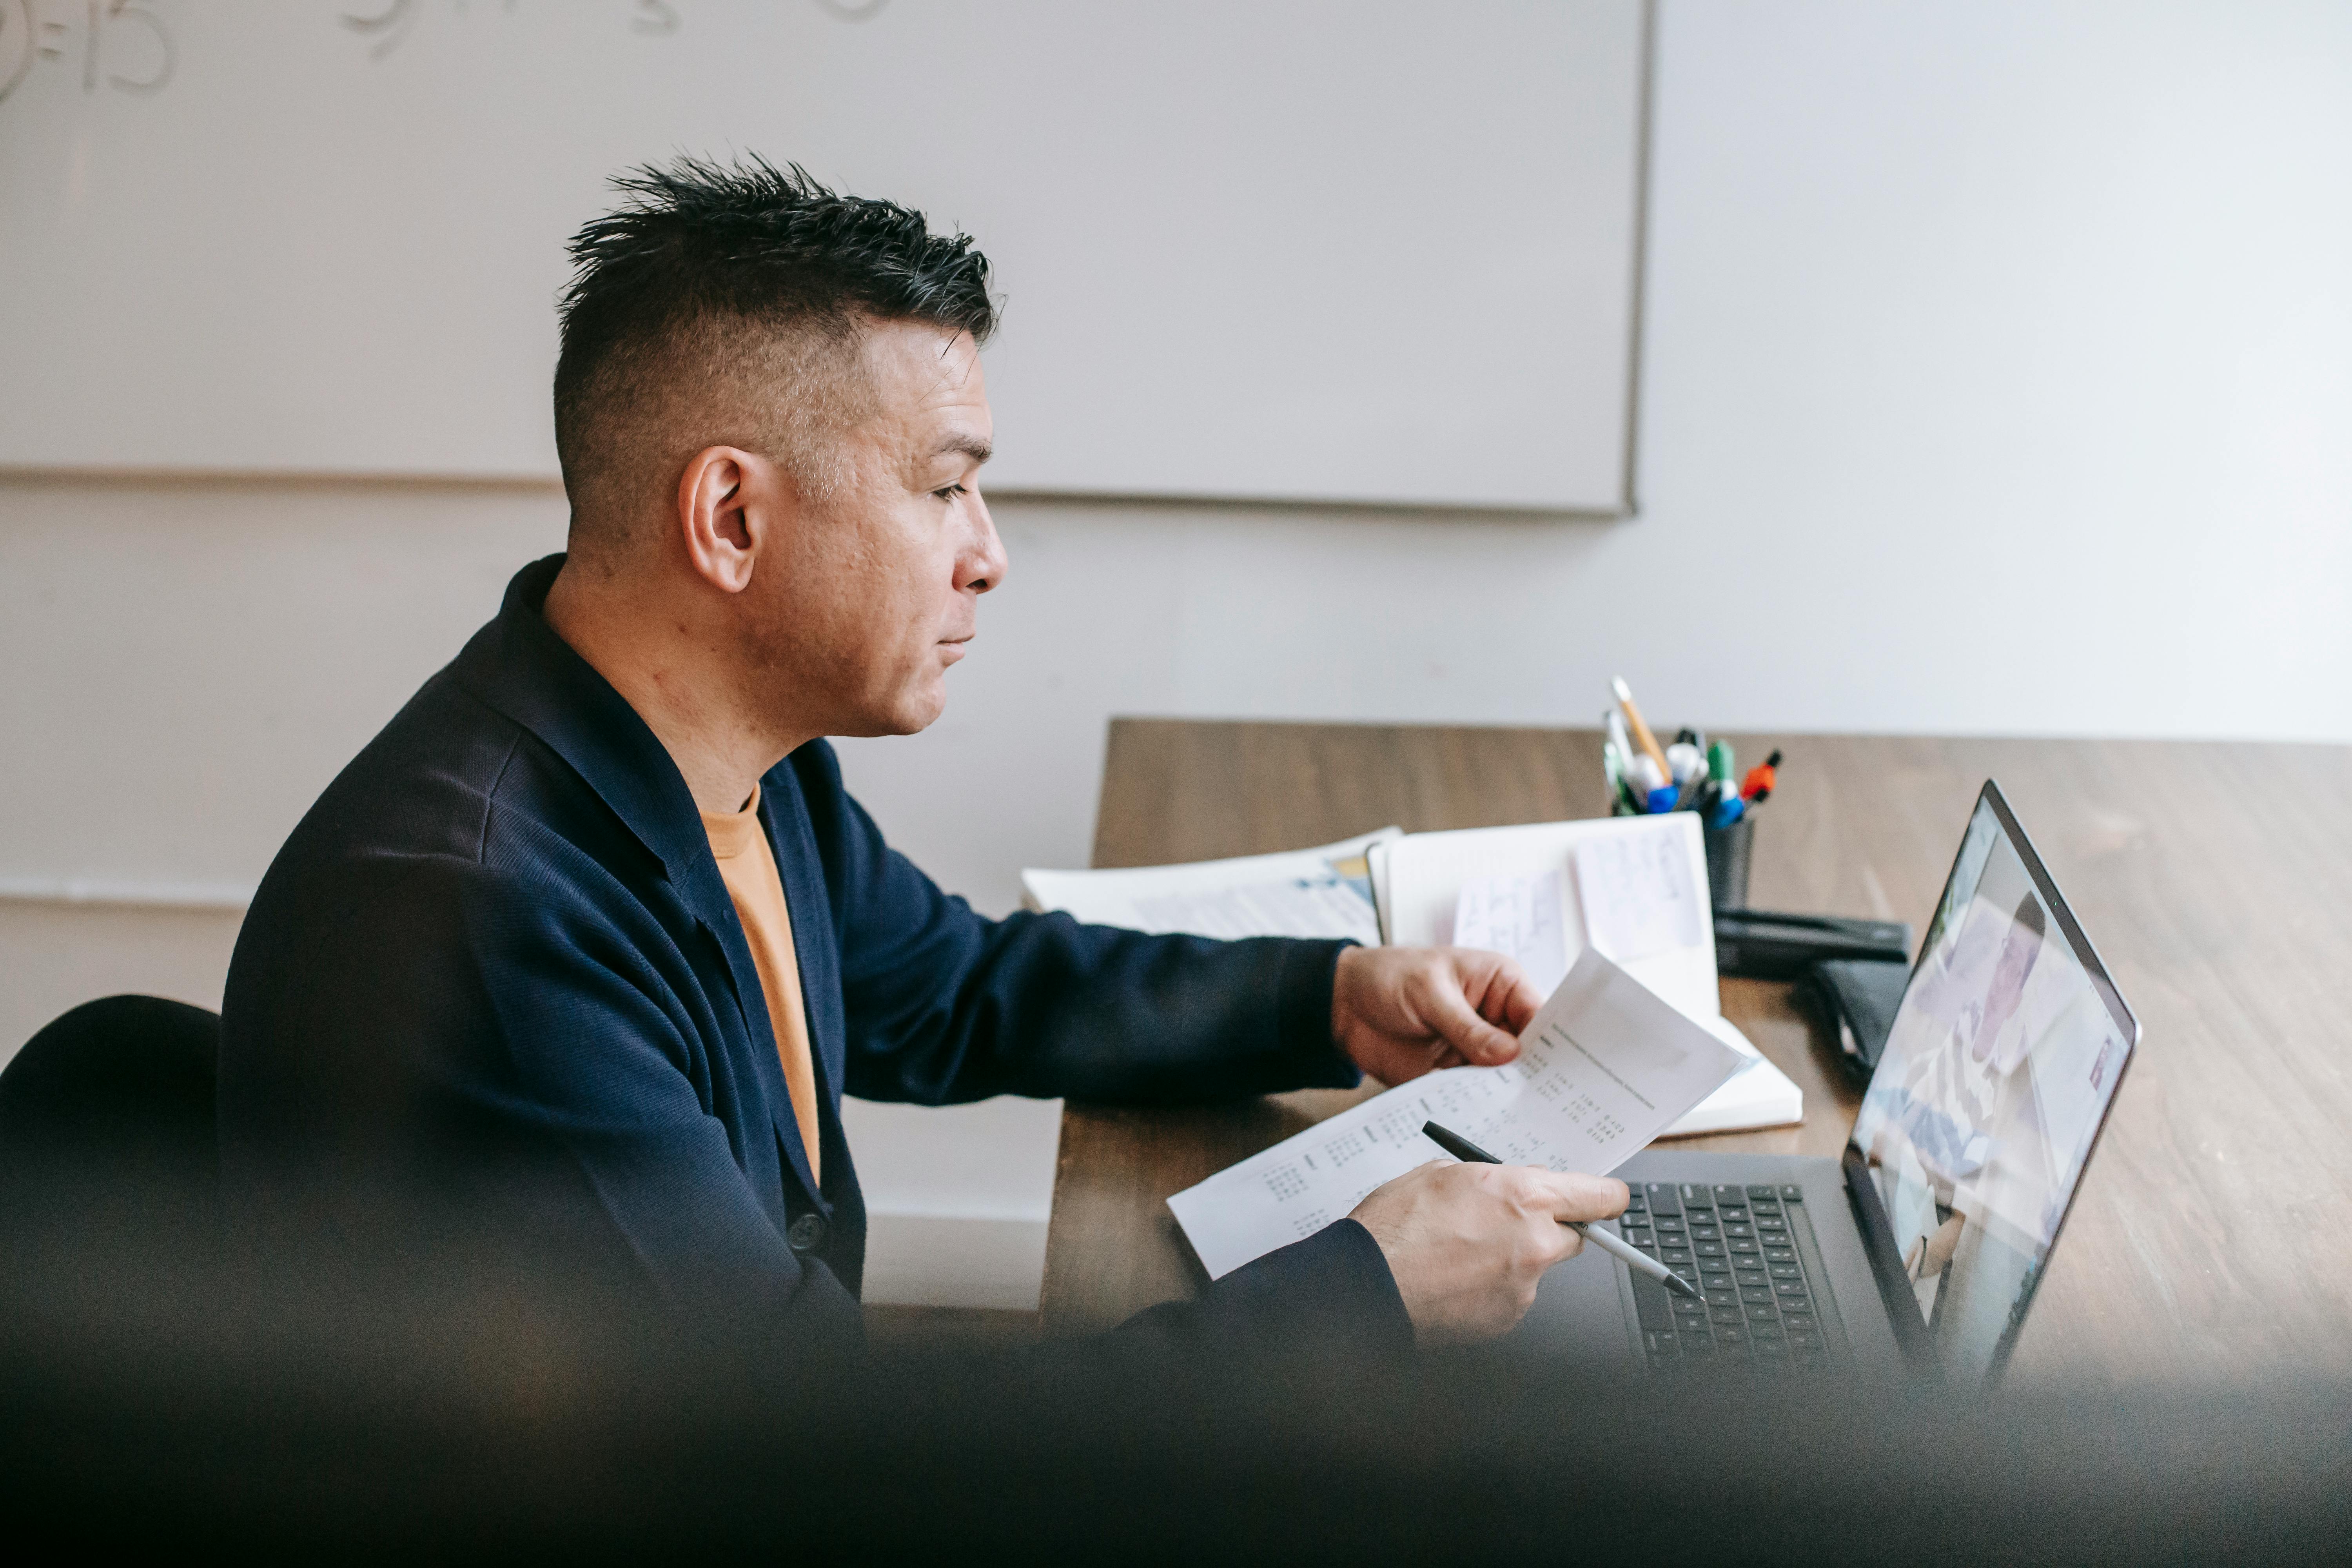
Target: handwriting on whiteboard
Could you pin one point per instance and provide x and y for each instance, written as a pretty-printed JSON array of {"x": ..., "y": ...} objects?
[
  {"x": 114, "y": 45},
  {"x": 128, "y": 46},
  {"x": 389, "y": 23}
]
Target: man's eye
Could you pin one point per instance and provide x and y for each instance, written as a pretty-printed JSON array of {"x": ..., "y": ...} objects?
[{"x": 950, "y": 492}]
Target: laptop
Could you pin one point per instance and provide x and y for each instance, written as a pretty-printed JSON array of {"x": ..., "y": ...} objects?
[{"x": 1919, "y": 1248}]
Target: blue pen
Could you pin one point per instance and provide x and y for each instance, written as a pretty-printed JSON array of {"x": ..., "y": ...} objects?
[{"x": 1732, "y": 810}]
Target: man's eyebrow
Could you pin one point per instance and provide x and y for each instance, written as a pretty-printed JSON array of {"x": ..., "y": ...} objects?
[{"x": 972, "y": 446}]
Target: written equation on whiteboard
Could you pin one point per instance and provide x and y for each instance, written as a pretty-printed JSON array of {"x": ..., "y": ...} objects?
[
  {"x": 114, "y": 46},
  {"x": 132, "y": 45}
]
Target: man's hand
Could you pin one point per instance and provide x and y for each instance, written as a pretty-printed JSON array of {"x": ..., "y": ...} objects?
[
  {"x": 1400, "y": 1012},
  {"x": 1468, "y": 1243}
]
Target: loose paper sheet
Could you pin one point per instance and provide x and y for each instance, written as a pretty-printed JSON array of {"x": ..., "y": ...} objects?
[
  {"x": 1639, "y": 892},
  {"x": 1603, "y": 1069},
  {"x": 1319, "y": 905},
  {"x": 1519, "y": 916},
  {"x": 1322, "y": 892}
]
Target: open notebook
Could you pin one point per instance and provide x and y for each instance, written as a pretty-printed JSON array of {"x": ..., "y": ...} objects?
[{"x": 1633, "y": 887}]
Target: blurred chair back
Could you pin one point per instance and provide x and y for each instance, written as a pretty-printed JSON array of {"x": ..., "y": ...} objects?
[{"x": 107, "y": 1126}]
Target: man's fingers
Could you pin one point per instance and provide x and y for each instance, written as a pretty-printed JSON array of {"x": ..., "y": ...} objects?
[
  {"x": 1480, "y": 1043},
  {"x": 1509, "y": 997}
]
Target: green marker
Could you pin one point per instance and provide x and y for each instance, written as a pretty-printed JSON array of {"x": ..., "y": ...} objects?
[{"x": 1718, "y": 762}]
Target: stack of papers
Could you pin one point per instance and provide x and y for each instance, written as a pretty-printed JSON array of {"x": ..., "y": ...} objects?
[{"x": 1632, "y": 889}]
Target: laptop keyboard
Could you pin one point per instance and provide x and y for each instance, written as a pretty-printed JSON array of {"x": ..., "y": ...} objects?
[{"x": 1745, "y": 1247}]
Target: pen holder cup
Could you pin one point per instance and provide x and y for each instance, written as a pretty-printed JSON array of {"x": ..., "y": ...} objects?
[{"x": 1727, "y": 852}]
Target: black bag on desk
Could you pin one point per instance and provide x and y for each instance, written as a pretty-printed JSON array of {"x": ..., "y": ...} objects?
[{"x": 1856, "y": 999}]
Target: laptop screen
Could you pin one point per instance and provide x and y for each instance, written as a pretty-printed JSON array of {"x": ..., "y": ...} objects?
[{"x": 1996, "y": 1076}]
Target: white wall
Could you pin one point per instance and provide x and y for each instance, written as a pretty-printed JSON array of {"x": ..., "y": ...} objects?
[{"x": 1999, "y": 378}]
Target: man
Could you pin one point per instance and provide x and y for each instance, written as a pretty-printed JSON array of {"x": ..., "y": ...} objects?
[
  {"x": 1957, "y": 1112},
  {"x": 582, "y": 952}
]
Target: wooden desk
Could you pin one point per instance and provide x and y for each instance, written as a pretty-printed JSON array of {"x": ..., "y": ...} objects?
[{"x": 2213, "y": 1234}]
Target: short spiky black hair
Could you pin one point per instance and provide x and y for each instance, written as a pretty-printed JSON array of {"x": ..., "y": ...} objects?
[{"x": 701, "y": 248}]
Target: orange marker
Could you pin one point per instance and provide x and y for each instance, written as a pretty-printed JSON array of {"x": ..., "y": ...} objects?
[{"x": 1760, "y": 779}]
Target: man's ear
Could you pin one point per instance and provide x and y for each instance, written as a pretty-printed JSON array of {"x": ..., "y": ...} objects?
[{"x": 726, "y": 502}]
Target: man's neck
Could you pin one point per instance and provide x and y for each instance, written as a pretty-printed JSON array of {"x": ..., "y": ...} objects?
[{"x": 663, "y": 670}]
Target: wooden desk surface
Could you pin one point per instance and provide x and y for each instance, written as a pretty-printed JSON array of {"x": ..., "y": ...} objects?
[{"x": 2210, "y": 1238}]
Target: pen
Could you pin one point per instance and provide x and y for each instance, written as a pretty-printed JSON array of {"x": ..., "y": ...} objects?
[
  {"x": 1650, "y": 746},
  {"x": 1608, "y": 1241}
]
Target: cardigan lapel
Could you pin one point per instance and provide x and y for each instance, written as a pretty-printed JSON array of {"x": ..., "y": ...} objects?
[{"x": 521, "y": 669}]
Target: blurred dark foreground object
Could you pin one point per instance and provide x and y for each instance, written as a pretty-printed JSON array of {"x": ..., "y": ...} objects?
[
  {"x": 393, "y": 1418},
  {"x": 478, "y": 1401}
]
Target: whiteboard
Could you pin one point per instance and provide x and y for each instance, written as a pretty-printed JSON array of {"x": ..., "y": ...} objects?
[{"x": 1354, "y": 251}]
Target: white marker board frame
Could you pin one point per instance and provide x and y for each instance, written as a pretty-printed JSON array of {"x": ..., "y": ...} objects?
[{"x": 1293, "y": 250}]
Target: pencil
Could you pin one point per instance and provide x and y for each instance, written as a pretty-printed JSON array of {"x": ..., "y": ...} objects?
[{"x": 1648, "y": 742}]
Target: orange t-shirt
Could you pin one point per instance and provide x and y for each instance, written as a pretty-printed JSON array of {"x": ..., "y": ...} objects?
[{"x": 749, "y": 869}]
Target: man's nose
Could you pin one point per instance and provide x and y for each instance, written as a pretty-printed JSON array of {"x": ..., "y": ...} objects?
[{"x": 983, "y": 565}]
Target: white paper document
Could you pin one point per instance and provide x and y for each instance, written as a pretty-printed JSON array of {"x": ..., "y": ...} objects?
[
  {"x": 1635, "y": 889},
  {"x": 1324, "y": 892},
  {"x": 1603, "y": 1068},
  {"x": 1524, "y": 916},
  {"x": 1319, "y": 903},
  {"x": 1640, "y": 894}
]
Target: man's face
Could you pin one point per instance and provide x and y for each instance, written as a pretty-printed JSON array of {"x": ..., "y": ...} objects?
[
  {"x": 2018, "y": 952},
  {"x": 883, "y": 580}
]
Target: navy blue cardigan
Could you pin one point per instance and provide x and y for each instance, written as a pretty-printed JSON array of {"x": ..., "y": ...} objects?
[{"x": 494, "y": 975}]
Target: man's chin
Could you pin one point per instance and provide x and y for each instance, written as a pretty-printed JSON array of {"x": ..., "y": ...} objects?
[{"x": 910, "y": 715}]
